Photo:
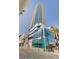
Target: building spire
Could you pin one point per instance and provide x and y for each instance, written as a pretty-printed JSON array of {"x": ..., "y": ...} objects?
[{"x": 38, "y": 16}]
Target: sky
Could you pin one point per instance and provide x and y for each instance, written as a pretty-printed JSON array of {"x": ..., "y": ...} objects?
[{"x": 51, "y": 10}]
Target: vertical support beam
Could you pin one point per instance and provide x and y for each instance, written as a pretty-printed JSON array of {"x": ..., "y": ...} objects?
[{"x": 44, "y": 39}]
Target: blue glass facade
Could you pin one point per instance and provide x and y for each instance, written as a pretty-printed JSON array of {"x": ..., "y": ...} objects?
[{"x": 42, "y": 42}]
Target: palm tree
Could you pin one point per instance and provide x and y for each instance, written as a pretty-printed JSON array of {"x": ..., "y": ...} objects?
[{"x": 55, "y": 31}]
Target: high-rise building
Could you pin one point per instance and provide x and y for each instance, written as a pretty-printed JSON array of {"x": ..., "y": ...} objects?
[
  {"x": 39, "y": 36},
  {"x": 38, "y": 16}
]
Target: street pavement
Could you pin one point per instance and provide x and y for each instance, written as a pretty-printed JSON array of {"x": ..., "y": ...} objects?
[{"x": 27, "y": 53}]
